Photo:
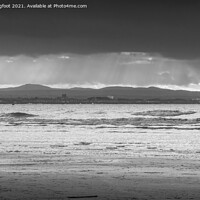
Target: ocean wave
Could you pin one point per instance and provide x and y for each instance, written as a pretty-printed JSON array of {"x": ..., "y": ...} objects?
[
  {"x": 83, "y": 143},
  {"x": 100, "y": 112},
  {"x": 24, "y": 119},
  {"x": 137, "y": 121},
  {"x": 58, "y": 145},
  {"x": 17, "y": 115},
  {"x": 164, "y": 113}
]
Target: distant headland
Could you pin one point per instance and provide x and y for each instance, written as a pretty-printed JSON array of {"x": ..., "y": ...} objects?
[{"x": 34, "y": 93}]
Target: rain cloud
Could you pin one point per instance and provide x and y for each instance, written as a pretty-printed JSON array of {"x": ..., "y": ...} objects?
[{"x": 103, "y": 69}]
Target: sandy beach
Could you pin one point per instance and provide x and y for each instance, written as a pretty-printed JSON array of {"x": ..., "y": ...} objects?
[
  {"x": 84, "y": 152},
  {"x": 25, "y": 176}
]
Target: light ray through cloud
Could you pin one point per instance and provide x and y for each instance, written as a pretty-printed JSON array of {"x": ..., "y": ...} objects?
[{"x": 99, "y": 70}]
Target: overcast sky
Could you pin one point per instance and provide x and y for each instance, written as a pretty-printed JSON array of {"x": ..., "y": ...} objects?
[{"x": 92, "y": 46}]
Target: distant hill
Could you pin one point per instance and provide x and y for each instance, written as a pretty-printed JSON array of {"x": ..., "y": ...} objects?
[
  {"x": 33, "y": 90},
  {"x": 27, "y": 87}
]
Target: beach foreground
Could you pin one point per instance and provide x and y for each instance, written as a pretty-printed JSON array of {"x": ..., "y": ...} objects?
[
  {"x": 25, "y": 176},
  {"x": 108, "y": 152}
]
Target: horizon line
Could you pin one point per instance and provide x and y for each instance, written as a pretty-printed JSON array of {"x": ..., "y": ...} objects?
[{"x": 100, "y": 86}]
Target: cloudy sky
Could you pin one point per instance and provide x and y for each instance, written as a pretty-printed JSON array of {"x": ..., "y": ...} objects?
[{"x": 111, "y": 42}]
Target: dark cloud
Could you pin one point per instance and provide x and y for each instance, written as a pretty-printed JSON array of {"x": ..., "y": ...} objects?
[
  {"x": 170, "y": 28},
  {"x": 94, "y": 70}
]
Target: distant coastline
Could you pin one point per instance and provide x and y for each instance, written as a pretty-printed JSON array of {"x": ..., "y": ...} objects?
[
  {"x": 39, "y": 94},
  {"x": 94, "y": 100}
]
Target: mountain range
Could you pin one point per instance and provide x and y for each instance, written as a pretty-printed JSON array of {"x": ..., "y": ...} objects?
[{"x": 40, "y": 91}]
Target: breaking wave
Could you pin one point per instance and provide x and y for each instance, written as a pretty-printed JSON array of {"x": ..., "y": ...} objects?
[
  {"x": 165, "y": 113},
  {"x": 159, "y": 119},
  {"x": 135, "y": 122},
  {"x": 17, "y": 115}
]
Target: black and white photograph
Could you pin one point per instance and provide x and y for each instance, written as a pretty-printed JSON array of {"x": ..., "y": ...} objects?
[{"x": 99, "y": 99}]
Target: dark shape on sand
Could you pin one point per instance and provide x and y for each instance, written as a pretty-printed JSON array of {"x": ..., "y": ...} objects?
[{"x": 81, "y": 197}]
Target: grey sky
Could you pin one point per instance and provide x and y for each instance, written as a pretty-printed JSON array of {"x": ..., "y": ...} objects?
[{"x": 83, "y": 46}]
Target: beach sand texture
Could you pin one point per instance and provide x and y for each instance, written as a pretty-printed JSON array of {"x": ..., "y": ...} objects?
[
  {"x": 113, "y": 177},
  {"x": 108, "y": 152}
]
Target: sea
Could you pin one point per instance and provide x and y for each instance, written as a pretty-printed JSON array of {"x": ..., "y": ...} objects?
[{"x": 131, "y": 130}]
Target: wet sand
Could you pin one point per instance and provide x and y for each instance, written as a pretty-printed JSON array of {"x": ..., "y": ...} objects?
[{"x": 32, "y": 176}]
